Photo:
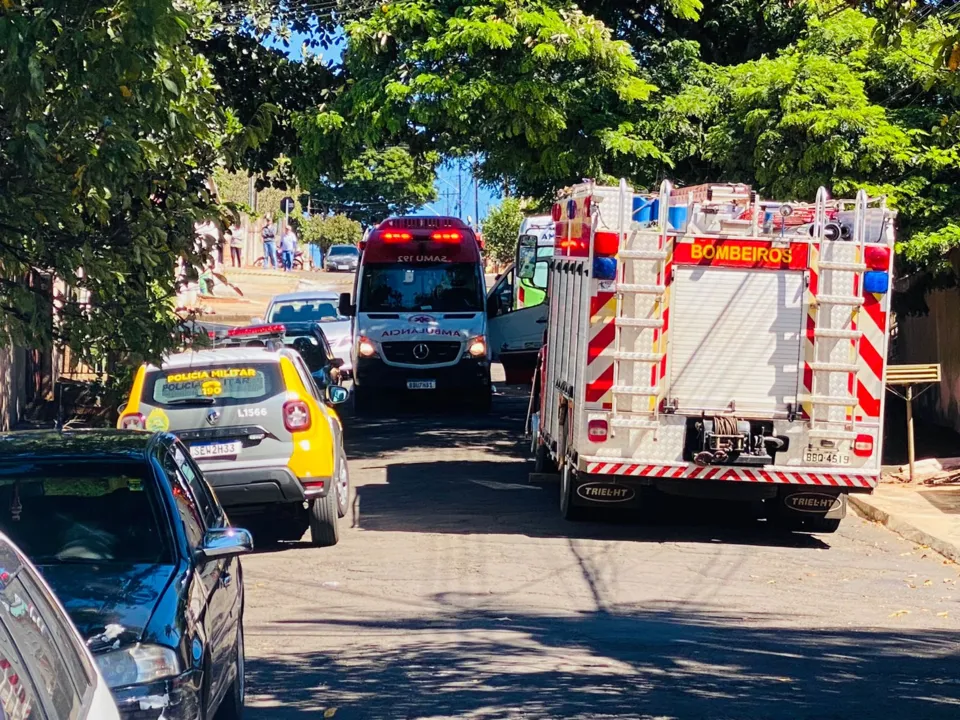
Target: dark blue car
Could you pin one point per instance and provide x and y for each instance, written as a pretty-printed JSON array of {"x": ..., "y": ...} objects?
[{"x": 134, "y": 543}]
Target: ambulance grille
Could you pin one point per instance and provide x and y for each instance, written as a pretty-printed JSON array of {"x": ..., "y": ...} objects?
[{"x": 406, "y": 353}]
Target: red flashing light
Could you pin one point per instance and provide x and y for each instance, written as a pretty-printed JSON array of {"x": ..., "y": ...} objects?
[
  {"x": 606, "y": 244},
  {"x": 556, "y": 212},
  {"x": 597, "y": 430},
  {"x": 395, "y": 236},
  {"x": 863, "y": 446},
  {"x": 877, "y": 257},
  {"x": 574, "y": 247},
  {"x": 256, "y": 330},
  {"x": 446, "y": 236}
]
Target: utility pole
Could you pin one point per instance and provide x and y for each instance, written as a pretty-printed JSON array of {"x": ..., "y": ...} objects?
[
  {"x": 459, "y": 196},
  {"x": 476, "y": 192}
]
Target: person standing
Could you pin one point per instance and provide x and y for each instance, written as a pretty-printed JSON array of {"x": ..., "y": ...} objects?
[
  {"x": 269, "y": 236},
  {"x": 236, "y": 242},
  {"x": 288, "y": 247}
]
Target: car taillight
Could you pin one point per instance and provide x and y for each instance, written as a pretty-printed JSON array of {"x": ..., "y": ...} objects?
[
  {"x": 133, "y": 421},
  {"x": 446, "y": 236},
  {"x": 365, "y": 347},
  {"x": 296, "y": 416},
  {"x": 597, "y": 431},
  {"x": 863, "y": 446},
  {"x": 396, "y": 236}
]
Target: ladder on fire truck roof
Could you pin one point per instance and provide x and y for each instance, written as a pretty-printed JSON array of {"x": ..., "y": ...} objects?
[
  {"x": 642, "y": 252},
  {"x": 836, "y": 315}
]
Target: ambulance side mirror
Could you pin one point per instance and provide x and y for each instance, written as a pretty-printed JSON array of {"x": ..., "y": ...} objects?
[{"x": 345, "y": 308}]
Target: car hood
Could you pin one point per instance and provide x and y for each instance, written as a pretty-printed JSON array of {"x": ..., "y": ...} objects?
[{"x": 115, "y": 599}]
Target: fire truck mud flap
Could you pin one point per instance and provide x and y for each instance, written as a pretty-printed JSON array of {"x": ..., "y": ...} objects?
[
  {"x": 598, "y": 491},
  {"x": 798, "y": 504}
]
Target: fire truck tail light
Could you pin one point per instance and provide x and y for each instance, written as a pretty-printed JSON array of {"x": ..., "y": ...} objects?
[
  {"x": 605, "y": 244},
  {"x": 396, "y": 236},
  {"x": 597, "y": 431},
  {"x": 296, "y": 416},
  {"x": 365, "y": 347},
  {"x": 877, "y": 257},
  {"x": 863, "y": 446},
  {"x": 133, "y": 421},
  {"x": 448, "y": 236}
]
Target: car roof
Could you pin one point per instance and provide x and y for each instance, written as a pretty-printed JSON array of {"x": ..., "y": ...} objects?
[
  {"x": 306, "y": 295},
  {"x": 211, "y": 356},
  {"x": 78, "y": 444}
]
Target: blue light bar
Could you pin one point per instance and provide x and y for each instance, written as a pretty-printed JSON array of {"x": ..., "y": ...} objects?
[{"x": 876, "y": 281}]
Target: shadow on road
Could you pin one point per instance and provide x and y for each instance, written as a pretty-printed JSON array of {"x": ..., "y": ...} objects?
[{"x": 663, "y": 663}]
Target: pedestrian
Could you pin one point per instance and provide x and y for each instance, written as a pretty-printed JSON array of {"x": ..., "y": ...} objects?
[
  {"x": 288, "y": 247},
  {"x": 236, "y": 242},
  {"x": 269, "y": 236}
]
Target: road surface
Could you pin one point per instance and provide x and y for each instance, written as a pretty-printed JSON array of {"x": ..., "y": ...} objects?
[{"x": 458, "y": 592}]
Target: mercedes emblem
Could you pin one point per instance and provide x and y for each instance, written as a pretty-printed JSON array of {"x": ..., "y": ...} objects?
[
  {"x": 420, "y": 351},
  {"x": 213, "y": 416}
]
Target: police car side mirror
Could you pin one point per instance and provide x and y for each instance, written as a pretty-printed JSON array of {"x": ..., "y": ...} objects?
[
  {"x": 337, "y": 395},
  {"x": 345, "y": 308}
]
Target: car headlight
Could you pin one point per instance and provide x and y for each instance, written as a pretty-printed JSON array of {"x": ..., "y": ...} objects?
[
  {"x": 477, "y": 346},
  {"x": 138, "y": 664}
]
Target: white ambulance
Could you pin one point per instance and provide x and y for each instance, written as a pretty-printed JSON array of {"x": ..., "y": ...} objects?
[
  {"x": 706, "y": 343},
  {"x": 420, "y": 312}
]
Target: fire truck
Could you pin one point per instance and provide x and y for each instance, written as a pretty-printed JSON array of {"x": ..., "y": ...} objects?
[{"x": 703, "y": 342}]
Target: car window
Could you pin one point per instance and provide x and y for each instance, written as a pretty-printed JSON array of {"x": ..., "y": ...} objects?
[
  {"x": 310, "y": 350},
  {"x": 85, "y": 512},
  {"x": 24, "y": 701},
  {"x": 303, "y": 311},
  {"x": 28, "y": 620},
  {"x": 209, "y": 510},
  {"x": 215, "y": 384},
  {"x": 344, "y": 250},
  {"x": 186, "y": 506}
]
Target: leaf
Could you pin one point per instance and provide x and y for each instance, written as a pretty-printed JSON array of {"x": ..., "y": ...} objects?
[{"x": 330, "y": 712}]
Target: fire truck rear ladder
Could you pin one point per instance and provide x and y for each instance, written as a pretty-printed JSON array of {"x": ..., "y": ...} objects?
[
  {"x": 629, "y": 256},
  {"x": 828, "y": 268}
]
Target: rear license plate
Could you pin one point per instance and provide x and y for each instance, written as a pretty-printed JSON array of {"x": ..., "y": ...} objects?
[
  {"x": 421, "y": 384},
  {"x": 220, "y": 449},
  {"x": 813, "y": 457}
]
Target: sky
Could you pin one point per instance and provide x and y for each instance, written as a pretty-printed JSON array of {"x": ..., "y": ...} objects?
[{"x": 448, "y": 178}]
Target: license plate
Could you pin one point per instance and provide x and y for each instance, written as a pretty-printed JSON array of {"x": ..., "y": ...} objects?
[
  {"x": 813, "y": 457},
  {"x": 421, "y": 384},
  {"x": 221, "y": 449}
]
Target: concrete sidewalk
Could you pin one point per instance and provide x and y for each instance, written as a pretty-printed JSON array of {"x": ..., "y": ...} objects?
[{"x": 928, "y": 515}]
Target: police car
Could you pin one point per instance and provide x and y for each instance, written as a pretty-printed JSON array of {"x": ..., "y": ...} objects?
[{"x": 264, "y": 433}]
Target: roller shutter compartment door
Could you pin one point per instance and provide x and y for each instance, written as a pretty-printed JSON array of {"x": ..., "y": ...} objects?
[{"x": 734, "y": 336}]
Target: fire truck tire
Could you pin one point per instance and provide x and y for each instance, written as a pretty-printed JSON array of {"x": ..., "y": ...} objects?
[
  {"x": 823, "y": 525},
  {"x": 568, "y": 482},
  {"x": 542, "y": 462},
  {"x": 819, "y": 525}
]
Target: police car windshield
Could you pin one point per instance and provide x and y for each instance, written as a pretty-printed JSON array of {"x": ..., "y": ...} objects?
[{"x": 440, "y": 287}]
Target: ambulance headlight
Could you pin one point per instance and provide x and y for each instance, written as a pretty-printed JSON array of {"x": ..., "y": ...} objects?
[
  {"x": 366, "y": 348},
  {"x": 477, "y": 347}
]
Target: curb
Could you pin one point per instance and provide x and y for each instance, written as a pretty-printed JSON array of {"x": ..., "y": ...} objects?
[{"x": 903, "y": 527}]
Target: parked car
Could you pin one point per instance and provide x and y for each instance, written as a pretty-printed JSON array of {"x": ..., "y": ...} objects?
[
  {"x": 265, "y": 435},
  {"x": 48, "y": 672},
  {"x": 134, "y": 543},
  {"x": 319, "y": 306},
  {"x": 342, "y": 257}
]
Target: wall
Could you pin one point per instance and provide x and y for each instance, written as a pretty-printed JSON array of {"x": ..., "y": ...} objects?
[
  {"x": 13, "y": 386},
  {"x": 931, "y": 338}
]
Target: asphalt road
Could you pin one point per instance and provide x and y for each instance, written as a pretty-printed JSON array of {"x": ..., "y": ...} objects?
[{"x": 458, "y": 592}]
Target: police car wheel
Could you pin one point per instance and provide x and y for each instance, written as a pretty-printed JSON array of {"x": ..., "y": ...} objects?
[
  {"x": 343, "y": 485},
  {"x": 568, "y": 481},
  {"x": 323, "y": 520}
]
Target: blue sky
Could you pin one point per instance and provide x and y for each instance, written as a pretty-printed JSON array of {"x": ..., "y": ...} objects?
[{"x": 447, "y": 177}]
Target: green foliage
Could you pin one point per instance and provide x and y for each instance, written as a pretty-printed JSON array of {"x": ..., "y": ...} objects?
[
  {"x": 325, "y": 231},
  {"x": 109, "y": 129},
  {"x": 375, "y": 185},
  {"x": 541, "y": 91},
  {"x": 501, "y": 229}
]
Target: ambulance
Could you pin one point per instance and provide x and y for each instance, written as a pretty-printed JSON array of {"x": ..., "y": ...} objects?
[
  {"x": 705, "y": 343},
  {"x": 419, "y": 312}
]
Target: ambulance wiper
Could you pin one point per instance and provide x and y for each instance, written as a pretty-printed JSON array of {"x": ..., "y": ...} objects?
[{"x": 192, "y": 401}]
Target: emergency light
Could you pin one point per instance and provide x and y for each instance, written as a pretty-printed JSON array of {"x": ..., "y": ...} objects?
[{"x": 257, "y": 330}]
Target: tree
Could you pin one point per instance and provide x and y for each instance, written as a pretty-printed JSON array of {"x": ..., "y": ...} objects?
[
  {"x": 324, "y": 231},
  {"x": 109, "y": 129},
  {"x": 501, "y": 229}
]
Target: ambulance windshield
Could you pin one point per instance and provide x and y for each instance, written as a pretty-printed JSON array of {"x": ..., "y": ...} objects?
[{"x": 416, "y": 287}]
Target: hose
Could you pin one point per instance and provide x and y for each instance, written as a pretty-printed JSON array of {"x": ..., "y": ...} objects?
[{"x": 725, "y": 425}]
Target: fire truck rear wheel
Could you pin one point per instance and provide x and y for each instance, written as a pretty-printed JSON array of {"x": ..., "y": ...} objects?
[{"x": 568, "y": 483}]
